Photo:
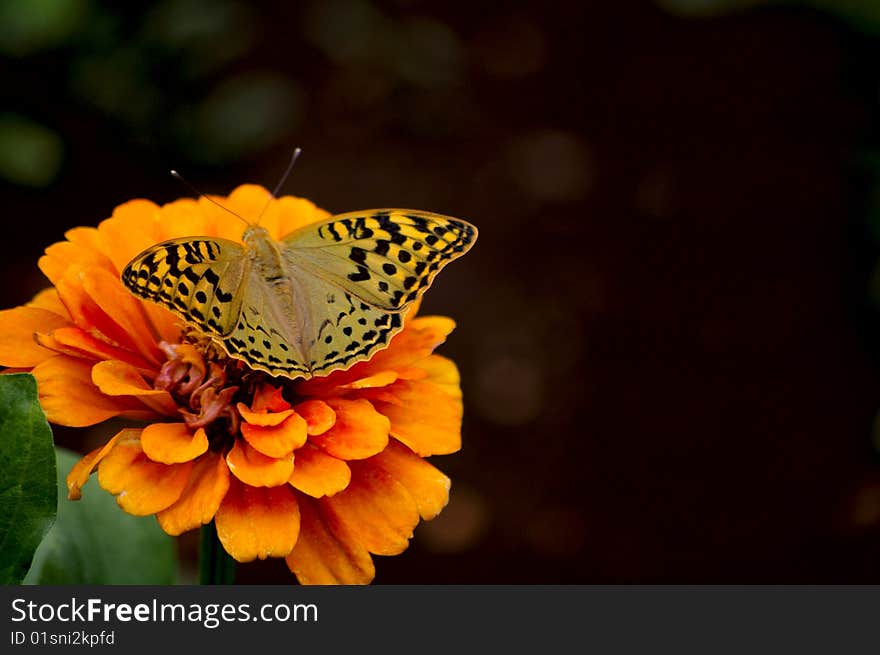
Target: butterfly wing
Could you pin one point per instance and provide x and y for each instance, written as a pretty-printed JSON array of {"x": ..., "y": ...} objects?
[
  {"x": 385, "y": 257},
  {"x": 197, "y": 278}
]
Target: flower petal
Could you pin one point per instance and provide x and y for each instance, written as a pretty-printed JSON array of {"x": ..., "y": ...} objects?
[
  {"x": 173, "y": 443},
  {"x": 264, "y": 419},
  {"x": 17, "y": 329},
  {"x": 141, "y": 485},
  {"x": 115, "y": 378},
  {"x": 318, "y": 474},
  {"x": 326, "y": 552},
  {"x": 377, "y": 509},
  {"x": 277, "y": 441},
  {"x": 257, "y": 522},
  {"x": 255, "y": 469},
  {"x": 123, "y": 309},
  {"x": 380, "y": 379},
  {"x": 79, "y": 343},
  {"x": 79, "y": 474},
  {"x": 423, "y": 416},
  {"x": 426, "y": 484},
  {"x": 48, "y": 299},
  {"x": 65, "y": 256},
  {"x": 269, "y": 398},
  {"x": 68, "y": 396},
  {"x": 359, "y": 432},
  {"x": 294, "y": 213},
  {"x": 207, "y": 486},
  {"x": 318, "y": 415}
]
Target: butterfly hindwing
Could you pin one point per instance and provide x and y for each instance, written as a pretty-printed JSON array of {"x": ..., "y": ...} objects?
[
  {"x": 198, "y": 279},
  {"x": 385, "y": 257},
  {"x": 346, "y": 329}
]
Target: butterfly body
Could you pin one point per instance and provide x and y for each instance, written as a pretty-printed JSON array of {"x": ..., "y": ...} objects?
[{"x": 320, "y": 299}]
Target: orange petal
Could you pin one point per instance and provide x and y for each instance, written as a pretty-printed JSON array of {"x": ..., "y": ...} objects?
[
  {"x": 254, "y": 468},
  {"x": 423, "y": 416},
  {"x": 264, "y": 419},
  {"x": 318, "y": 416},
  {"x": 443, "y": 372},
  {"x": 48, "y": 299},
  {"x": 17, "y": 329},
  {"x": 380, "y": 379},
  {"x": 326, "y": 552},
  {"x": 377, "y": 509},
  {"x": 68, "y": 396},
  {"x": 127, "y": 233},
  {"x": 123, "y": 309},
  {"x": 81, "y": 471},
  {"x": 207, "y": 485},
  {"x": 359, "y": 432},
  {"x": 277, "y": 441},
  {"x": 257, "y": 522},
  {"x": 318, "y": 474},
  {"x": 64, "y": 256},
  {"x": 269, "y": 398},
  {"x": 426, "y": 484},
  {"x": 79, "y": 343},
  {"x": 115, "y": 378},
  {"x": 141, "y": 485},
  {"x": 173, "y": 443},
  {"x": 294, "y": 213}
]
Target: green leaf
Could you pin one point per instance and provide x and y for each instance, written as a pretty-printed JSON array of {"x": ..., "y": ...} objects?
[
  {"x": 95, "y": 542},
  {"x": 27, "y": 475}
]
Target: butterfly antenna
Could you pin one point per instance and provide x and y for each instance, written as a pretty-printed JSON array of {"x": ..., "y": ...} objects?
[
  {"x": 177, "y": 176},
  {"x": 293, "y": 158}
]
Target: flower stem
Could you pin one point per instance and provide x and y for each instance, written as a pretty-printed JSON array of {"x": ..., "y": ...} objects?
[{"x": 215, "y": 564}]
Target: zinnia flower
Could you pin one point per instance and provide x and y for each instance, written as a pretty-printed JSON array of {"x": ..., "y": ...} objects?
[{"x": 323, "y": 472}]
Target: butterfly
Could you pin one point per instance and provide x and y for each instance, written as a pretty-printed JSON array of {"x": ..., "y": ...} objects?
[{"x": 322, "y": 298}]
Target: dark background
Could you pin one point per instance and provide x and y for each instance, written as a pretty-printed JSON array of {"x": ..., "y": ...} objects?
[{"x": 667, "y": 337}]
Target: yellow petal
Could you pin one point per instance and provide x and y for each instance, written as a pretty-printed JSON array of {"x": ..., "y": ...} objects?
[
  {"x": 207, "y": 486},
  {"x": 141, "y": 486},
  {"x": 326, "y": 552},
  {"x": 257, "y": 522},
  {"x": 173, "y": 443},
  {"x": 254, "y": 468},
  {"x": 318, "y": 474}
]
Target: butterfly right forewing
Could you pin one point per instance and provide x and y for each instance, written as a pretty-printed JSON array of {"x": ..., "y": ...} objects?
[
  {"x": 385, "y": 257},
  {"x": 199, "y": 279}
]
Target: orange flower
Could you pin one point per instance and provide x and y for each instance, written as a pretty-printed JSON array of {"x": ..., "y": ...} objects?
[{"x": 323, "y": 472}]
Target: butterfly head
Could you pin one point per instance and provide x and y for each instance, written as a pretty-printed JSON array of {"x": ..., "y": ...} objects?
[{"x": 254, "y": 234}]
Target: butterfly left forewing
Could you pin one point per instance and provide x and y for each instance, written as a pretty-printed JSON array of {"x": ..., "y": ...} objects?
[
  {"x": 385, "y": 257},
  {"x": 197, "y": 278}
]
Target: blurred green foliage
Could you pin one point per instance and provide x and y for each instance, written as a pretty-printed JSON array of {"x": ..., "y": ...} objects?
[
  {"x": 30, "y": 154},
  {"x": 28, "y": 27},
  {"x": 859, "y": 14}
]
